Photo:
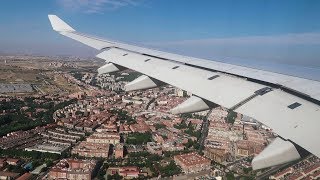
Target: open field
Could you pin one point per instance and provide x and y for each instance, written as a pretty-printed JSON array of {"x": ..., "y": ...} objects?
[
  {"x": 51, "y": 63},
  {"x": 10, "y": 74},
  {"x": 44, "y": 73},
  {"x": 62, "y": 83}
]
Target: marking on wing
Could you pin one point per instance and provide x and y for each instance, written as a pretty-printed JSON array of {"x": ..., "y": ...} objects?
[{"x": 225, "y": 90}]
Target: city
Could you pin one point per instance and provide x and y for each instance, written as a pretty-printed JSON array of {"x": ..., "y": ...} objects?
[
  {"x": 85, "y": 126},
  {"x": 160, "y": 90}
]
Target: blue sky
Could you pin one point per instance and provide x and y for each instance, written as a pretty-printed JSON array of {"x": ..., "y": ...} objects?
[{"x": 260, "y": 31}]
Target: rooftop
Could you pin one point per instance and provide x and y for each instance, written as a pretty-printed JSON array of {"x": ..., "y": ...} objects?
[{"x": 191, "y": 159}]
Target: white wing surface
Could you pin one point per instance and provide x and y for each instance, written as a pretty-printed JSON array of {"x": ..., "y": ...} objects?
[{"x": 287, "y": 104}]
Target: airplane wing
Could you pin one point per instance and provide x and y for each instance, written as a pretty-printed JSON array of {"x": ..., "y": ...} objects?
[{"x": 287, "y": 104}]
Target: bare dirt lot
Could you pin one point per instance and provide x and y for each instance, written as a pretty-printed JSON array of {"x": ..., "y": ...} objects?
[{"x": 45, "y": 74}]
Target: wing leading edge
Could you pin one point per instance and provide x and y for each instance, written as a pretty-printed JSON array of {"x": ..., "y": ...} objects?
[{"x": 271, "y": 98}]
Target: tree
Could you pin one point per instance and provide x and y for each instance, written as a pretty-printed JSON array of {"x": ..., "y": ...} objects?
[
  {"x": 139, "y": 138},
  {"x": 159, "y": 126},
  {"x": 79, "y": 113},
  {"x": 170, "y": 170},
  {"x": 164, "y": 137},
  {"x": 16, "y": 169},
  {"x": 189, "y": 143},
  {"x": 139, "y": 154},
  {"x": 102, "y": 172},
  {"x": 247, "y": 170},
  {"x": 230, "y": 176},
  {"x": 196, "y": 146},
  {"x": 49, "y": 163},
  {"x": 183, "y": 125},
  {"x": 191, "y": 131},
  {"x": 231, "y": 117},
  {"x": 19, "y": 120},
  {"x": 77, "y": 75},
  {"x": 115, "y": 177},
  {"x": 186, "y": 116},
  {"x": 36, "y": 163}
]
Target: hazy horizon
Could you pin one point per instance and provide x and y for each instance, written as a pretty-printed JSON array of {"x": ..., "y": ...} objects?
[{"x": 269, "y": 34}]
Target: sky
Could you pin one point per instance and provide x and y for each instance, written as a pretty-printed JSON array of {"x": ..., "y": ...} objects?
[{"x": 285, "y": 32}]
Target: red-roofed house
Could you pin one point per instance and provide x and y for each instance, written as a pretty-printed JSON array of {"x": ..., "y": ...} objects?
[
  {"x": 25, "y": 176},
  {"x": 315, "y": 175},
  {"x": 2, "y": 162},
  {"x": 312, "y": 169},
  {"x": 8, "y": 175},
  {"x": 296, "y": 176},
  {"x": 283, "y": 173},
  {"x": 128, "y": 172},
  {"x": 13, "y": 161},
  {"x": 192, "y": 162}
]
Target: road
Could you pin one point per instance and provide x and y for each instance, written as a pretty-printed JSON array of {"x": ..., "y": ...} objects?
[
  {"x": 154, "y": 112},
  {"x": 266, "y": 174},
  {"x": 150, "y": 102},
  {"x": 204, "y": 130}
]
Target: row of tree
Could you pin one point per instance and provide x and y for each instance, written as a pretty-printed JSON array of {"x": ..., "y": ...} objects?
[
  {"x": 20, "y": 121},
  {"x": 139, "y": 138},
  {"x": 35, "y": 155}
]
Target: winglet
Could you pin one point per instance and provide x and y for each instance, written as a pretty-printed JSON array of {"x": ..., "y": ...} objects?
[{"x": 59, "y": 25}]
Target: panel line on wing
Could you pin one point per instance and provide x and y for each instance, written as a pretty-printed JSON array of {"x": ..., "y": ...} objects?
[{"x": 226, "y": 90}]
